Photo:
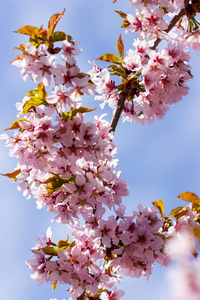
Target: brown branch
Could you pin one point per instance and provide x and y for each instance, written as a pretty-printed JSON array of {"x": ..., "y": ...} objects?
[
  {"x": 123, "y": 95},
  {"x": 82, "y": 297},
  {"x": 120, "y": 106},
  {"x": 173, "y": 22}
]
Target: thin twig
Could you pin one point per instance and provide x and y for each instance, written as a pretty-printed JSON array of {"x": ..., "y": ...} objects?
[
  {"x": 173, "y": 22},
  {"x": 120, "y": 106}
]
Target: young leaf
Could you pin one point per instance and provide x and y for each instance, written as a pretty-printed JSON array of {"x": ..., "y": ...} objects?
[
  {"x": 28, "y": 30},
  {"x": 122, "y": 15},
  {"x": 118, "y": 70},
  {"x": 192, "y": 198},
  {"x": 56, "y": 182},
  {"x": 38, "y": 97},
  {"x": 62, "y": 243},
  {"x": 54, "y": 285},
  {"x": 160, "y": 205},
  {"x": 175, "y": 211},
  {"x": 50, "y": 250},
  {"x": 19, "y": 56},
  {"x": 42, "y": 94},
  {"x": 42, "y": 33},
  {"x": 125, "y": 24},
  {"x": 120, "y": 47},
  {"x": 58, "y": 36},
  {"x": 72, "y": 113},
  {"x": 110, "y": 58},
  {"x": 15, "y": 124},
  {"x": 16, "y": 58},
  {"x": 53, "y": 22},
  {"x": 13, "y": 174},
  {"x": 31, "y": 103},
  {"x": 179, "y": 212}
]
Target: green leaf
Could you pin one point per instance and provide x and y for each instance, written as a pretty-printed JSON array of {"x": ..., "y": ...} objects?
[
  {"x": 53, "y": 21},
  {"x": 58, "y": 36},
  {"x": 50, "y": 251},
  {"x": 28, "y": 30},
  {"x": 62, "y": 243},
  {"x": 38, "y": 97},
  {"x": 15, "y": 124},
  {"x": 175, "y": 211},
  {"x": 120, "y": 47},
  {"x": 31, "y": 103},
  {"x": 160, "y": 205},
  {"x": 110, "y": 58},
  {"x": 72, "y": 113},
  {"x": 118, "y": 70},
  {"x": 179, "y": 212},
  {"x": 72, "y": 179},
  {"x": 12, "y": 175},
  {"x": 56, "y": 182}
]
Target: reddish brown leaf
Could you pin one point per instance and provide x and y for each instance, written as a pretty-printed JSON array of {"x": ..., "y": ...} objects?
[
  {"x": 125, "y": 24},
  {"x": 121, "y": 13},
  {"x": 53, "y": 22},
  {"x": 120, "y": 47},
  {"x": 13, "y": 174},
  {"x": 42, "y": 33}
]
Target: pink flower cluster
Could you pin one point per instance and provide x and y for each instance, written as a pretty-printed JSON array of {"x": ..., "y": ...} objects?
[
  {"x": 74, "y": 264},
  {"x": 127, "y": 246},
  {"x": 36, "y": 63},
  {"x": 149, "y": 21},
  {"x": 160, "y": 81},
  {"x": 158, "y": 77},
  {"x": 140, "y": 245},
  {"x": 69, "y": 165}
]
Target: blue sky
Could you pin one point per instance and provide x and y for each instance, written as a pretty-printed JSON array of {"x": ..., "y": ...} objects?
[{"x": 159, "y": 161}]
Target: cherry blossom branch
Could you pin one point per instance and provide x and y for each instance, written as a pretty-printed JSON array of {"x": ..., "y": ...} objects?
[
  {"x": 123, "y": 95},
  {"x": 173, "y": 22}
]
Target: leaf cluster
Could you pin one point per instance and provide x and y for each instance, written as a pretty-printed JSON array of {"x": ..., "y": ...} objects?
[
  {"x": 56, "y": 182},
  {"x": 41, "y": 35}
]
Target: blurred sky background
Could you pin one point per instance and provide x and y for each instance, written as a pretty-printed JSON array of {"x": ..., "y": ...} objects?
[{"x": 159, "y": 161}]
